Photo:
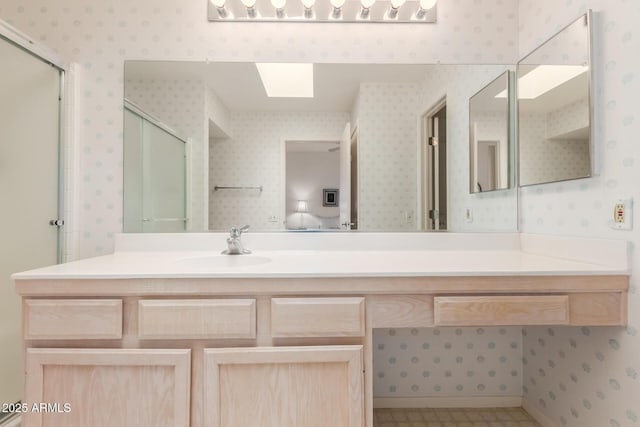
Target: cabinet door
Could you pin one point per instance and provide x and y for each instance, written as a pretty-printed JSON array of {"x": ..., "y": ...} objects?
[
  {"x": 284, "y": 387},
  {"x": 108, "y": 387}
]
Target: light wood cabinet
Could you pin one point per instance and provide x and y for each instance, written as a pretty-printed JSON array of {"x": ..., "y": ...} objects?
[
  {"x": 314, "y": 386},
  {"x": 197, "y": 319},
  {"x": 228, "y": 357},
  {"x": 108, "y": 387},
  {"x": 499, "y": 310},
  {"x": 317, "y": 317},
  {"x": 56, "y": 319}
]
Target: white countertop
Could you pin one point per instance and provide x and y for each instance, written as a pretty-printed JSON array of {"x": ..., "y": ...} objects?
[
  {"x": 196, "y": 264},
  {"x": 281, "y": 255}
]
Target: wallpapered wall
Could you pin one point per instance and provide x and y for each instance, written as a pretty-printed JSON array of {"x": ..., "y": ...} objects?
[
  {"x": 253, "y": 157},
  {"x": 579, "y": 377},
  {"x": 387, "y": 156},
  {"x": 101, "y": 35},
  {"x": 491, "y": 211},
  {"x": 590, "y": 377},
  {"x": 544, "y": 159}
]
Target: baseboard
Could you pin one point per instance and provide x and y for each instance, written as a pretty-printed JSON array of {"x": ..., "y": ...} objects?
[
  {"x": 537, "y": 414},
  {"x": 449, "y": 402},
  {"x": 12, "y": 422}
]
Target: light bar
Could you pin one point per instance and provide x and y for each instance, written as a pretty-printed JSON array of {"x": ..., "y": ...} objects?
[{"x": 334, "y": 11}]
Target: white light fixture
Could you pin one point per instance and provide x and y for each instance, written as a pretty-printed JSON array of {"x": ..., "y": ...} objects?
[
  {"x": 308, "y": 8},
  {"x": 279, "y": 6},
  {"x": 395, "y": 5},
  {"x": 425, "y": 5},
  {"x": 366, "y": 8},
  {"x": 251, "y": 9},
  {"x": 337, "y": 8},
  {"x": 286, "y": 80},
  {"x": 334, "y": 11},
  {"x": 544, "y": 78},
  {"x": 302, "y": 207},
  {"x": 219, "y": 5}
]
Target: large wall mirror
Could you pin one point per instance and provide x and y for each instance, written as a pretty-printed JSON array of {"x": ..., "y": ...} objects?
[
  {"x": 314, "y": 147},
  {"x": 555, "y": 109},
  {"x": 490, "y": 136}
]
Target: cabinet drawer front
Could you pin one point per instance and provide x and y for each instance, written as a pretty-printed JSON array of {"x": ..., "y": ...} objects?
[
  {"x": 400, "y": 311},
  {"x": 72, "y": 319},
  {"x": 502, "y": 310},
  {"x": 197, "y": 319},
  {"x": 317, "y": 317}
]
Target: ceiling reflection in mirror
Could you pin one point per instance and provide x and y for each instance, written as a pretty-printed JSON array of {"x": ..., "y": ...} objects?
[
  {"x": 346, "y": 148},
  {"x": 554, "y": 108}
]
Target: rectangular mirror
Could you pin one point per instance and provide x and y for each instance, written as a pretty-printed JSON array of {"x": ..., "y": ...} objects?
[
  {"x": 490, "y": 141},
  {"x": 554, "y": 108},
  {"x": 311, "y": 147}
]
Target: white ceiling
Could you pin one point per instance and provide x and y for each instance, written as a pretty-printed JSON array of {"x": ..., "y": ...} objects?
[{"x": 238, "y": 84}]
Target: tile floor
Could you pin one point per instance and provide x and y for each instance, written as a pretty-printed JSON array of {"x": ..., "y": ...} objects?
[{"x": 467, "y": 417}]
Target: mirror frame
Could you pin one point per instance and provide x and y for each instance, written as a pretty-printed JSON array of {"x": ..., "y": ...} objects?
[{"x": 588, "y": 17}]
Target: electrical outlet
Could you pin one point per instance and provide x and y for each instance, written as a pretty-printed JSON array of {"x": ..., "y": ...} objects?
[
  {"x": 272, "y": 218},
  {"x": 408, "y": 217},
  {"x": 468, "y": 215},
  {"x": 622, "y": 215}
]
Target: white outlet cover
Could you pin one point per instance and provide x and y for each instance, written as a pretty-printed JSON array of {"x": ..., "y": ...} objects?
[{"x": 628, "y": 215}]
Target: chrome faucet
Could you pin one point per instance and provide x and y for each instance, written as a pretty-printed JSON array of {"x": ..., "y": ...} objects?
[{"x": 234, "y": 243}]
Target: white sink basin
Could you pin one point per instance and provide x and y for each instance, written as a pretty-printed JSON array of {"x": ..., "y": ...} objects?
[{"x": 223, "y": 261}]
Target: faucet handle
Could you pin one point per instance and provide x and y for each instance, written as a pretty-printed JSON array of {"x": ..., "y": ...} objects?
[{"x": 236, "y": 232}]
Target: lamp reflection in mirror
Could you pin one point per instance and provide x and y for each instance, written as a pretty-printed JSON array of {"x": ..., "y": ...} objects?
[{"x": 302, "y": 207}]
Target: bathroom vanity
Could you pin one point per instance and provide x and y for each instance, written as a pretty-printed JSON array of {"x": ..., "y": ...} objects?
[{"x": 282, "y": 337}]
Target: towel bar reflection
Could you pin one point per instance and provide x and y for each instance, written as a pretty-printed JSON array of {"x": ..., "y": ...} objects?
[
  {"x": 217, "y": 187},
  {"x": 164, "y": 219}
]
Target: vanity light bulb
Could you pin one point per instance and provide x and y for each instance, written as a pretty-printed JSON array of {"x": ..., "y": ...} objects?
[
  {"x": 427, "y": 4},
  {"x": 249, "y": 3},
  {"x": 337, "y": 3},
  {"x": 218, "y": 3},
  {"x": 367, "y": 3},
  {"x": 397, "y": 3},
  {"x": 308, "y": 4},
  {"x": 278, "y": 4}
]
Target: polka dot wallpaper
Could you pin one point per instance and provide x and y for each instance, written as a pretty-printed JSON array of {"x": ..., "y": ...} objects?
[
  {"x": 588, "y": 377},
  {"x": 578, "y": 377},
  {"x": 101, "y": 35},
  {"x": 447, "y": 362},
  {"x": 495, "y": 210},
  {"x": 253, "y": 157}
]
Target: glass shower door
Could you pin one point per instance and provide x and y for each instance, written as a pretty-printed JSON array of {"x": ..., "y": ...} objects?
[
  {"x": 30, "y": 89},
  {"x": 155, "y": 177}
]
